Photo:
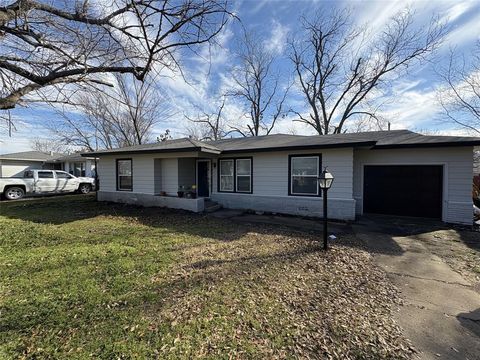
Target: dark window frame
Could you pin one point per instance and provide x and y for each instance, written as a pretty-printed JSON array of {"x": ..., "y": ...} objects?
[
  {"x": 45, "y": 171},
  {"x": 292, "y": 156},
  {"x": 116, "y": 173},
  {"x": 83, "y": 169},
  {"x": 234, "y": 191},
  {"x": 67, "y": 175}
]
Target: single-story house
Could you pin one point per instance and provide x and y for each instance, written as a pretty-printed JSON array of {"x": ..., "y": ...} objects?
[
  {"x": 14, "y": 164},
  {"x": 395, "y": 172}
]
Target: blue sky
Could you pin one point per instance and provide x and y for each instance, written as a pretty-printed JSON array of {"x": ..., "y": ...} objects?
[{"x": 275, "y": 21}]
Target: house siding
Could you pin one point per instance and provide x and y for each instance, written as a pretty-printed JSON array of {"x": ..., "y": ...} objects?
[
  {"x": 146, "y": 172},
  {"x": 15, "y": 168},
  {"x": 186, "y": 172},
  {"x": 153, "y": 173},
  {"x": 270, "y": 185},
  {"x": 457, "y": 175},
  {"x": 170, "y": 176}
]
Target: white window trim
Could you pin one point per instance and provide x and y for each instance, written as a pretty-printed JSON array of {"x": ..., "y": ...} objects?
[
  {"x": 314, "y": 176},
  {"x": 249, "y": 175},
  {"x": 232, "y": 175},
  {"x": 119, "y": 188}
]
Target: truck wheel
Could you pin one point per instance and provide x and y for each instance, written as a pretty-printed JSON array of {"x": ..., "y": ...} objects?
[
  {"x": 84, "y": 188},
  {"x": 14, "y": 193}
]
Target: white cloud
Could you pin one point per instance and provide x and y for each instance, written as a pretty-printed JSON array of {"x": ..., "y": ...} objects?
[
  {"x": 278, "y": 37},
  {"x": 465, "y": 33},
  {"x": 455, "y": 11},
  {"x": 21, "y": 140}
]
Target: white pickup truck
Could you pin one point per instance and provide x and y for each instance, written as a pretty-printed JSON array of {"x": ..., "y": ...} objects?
[{"x": 43, "y": 182}]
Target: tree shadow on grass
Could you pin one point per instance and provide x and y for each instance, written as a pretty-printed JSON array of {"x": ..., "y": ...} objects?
[
  {"x": 211, "y": 271},
  {"x": 471, "y": 321},
  {"x": 68, "y": 209}
]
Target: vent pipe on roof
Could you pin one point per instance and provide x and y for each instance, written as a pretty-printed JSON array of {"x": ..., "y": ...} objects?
[
  {"x": 51, "y": 153},
  {"x": 389, "y": 125}
]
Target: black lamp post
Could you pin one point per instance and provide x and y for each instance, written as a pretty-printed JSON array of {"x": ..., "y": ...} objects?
[{"x": 325, "y": 182}]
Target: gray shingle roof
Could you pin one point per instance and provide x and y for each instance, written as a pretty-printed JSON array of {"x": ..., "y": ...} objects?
[
  {"x": 373, "y": 139},
  {"x": 177, "y": 145},
  {"x": 70, "y": 157},
  {"x": 31, "y": 156}
]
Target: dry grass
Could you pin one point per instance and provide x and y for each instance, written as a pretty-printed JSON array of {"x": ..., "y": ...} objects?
[{"x": 111, "y": 281}]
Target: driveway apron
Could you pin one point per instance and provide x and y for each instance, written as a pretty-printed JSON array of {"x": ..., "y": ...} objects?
[{"x": 441, "y": 311}]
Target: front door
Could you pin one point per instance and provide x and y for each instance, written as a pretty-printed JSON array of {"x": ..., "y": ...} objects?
[{"x": 203, "y": 189}]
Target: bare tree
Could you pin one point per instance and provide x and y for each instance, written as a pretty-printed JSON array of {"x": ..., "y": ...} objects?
[
  {"x": 56, "y": 44},
  {"x": 258, "y": 86},
  {"x": 7, "y": 123},
  {"x": 165, "y": 136},
  {"x": 339, "y": 65},
  {"x": 49, "y": 145},
  {"x": 460, "y": 95},
  {"x": 208, "y": 125},
  {"x": 124, "y": 116}
]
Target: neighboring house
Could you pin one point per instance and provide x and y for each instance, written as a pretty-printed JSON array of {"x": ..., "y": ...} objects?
[
  {"x": 76, "y": 165},
  {"x": 14, "y": 164},
  {"x": 387, "y": 172}
]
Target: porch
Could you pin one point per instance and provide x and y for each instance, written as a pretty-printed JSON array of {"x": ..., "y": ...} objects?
[{"x": 184, "y": 178}]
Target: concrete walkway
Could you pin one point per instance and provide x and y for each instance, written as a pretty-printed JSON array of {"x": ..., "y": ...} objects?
[{"x": 441, "y": 315}]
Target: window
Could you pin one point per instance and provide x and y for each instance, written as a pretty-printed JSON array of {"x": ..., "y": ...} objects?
[
  {"x": 28, "y": 174},
  {"x": 226, "y": 175},
  {"x": 124, "y": 175},
  {"x": 235, "y": 175},
  {"x": 304, "y": 172},
  {"x": 244, "y": 175},
  {"x": 79, "y": 169},
  {"x": 45, "y": 174},
  {"x": 63, "y": 175}
]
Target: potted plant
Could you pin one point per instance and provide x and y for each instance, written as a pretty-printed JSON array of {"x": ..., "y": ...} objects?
[
  {"x": 192, "y": 192},
  {"x": 181, "y": 191}
]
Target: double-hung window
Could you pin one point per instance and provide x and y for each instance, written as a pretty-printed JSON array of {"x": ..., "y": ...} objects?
[
  {"x": 244, "y": 175},
  {"x": 304, "y": 172},
  {"x": 227, "y": 175},
  {"x": 235, "y": 175},
  {"x": 124, "y": 175}
]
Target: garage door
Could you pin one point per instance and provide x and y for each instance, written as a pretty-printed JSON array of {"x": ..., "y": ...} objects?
[{"x": 403, "y": 190}]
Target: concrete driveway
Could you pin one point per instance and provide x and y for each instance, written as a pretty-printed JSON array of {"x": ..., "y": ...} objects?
[{"x": 441, "y": 314}]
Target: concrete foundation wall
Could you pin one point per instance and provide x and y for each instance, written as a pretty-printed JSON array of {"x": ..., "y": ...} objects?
[
  {"x": 341, "y": 209},
  {"x": 195, "y": 205}
]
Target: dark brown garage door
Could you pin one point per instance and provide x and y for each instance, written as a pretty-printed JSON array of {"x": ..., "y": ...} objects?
[{"x": 403, "y": 190}]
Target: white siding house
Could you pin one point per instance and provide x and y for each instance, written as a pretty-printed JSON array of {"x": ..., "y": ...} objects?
[
  {"x": 275, "y": 174},
  {"x": 270, "y": 185},
  {"x": 15, "y": 168},
  {"x": 15, "y": 164}
]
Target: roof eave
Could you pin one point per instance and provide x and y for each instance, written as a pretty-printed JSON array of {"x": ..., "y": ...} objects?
[
  {"x": 429, "y": 145},
  {"x": 303, "y": 147},
  {"x": 150, "y": 151},
  {"x": 23, "y": 159}
]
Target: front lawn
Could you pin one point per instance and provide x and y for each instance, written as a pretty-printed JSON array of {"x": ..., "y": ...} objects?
[{"x": 82, "y": 279}]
